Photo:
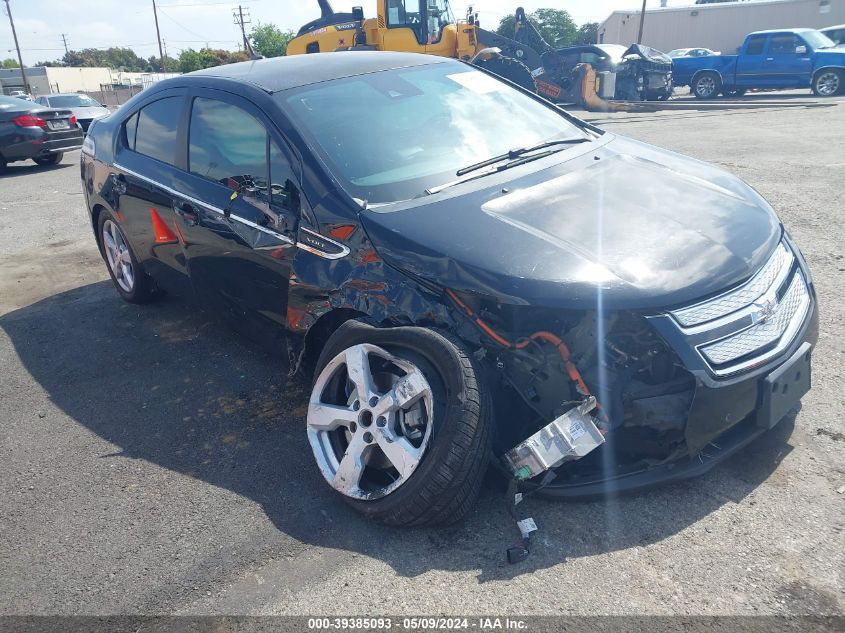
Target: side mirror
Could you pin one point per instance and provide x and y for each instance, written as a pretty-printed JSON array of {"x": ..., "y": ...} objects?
[{"x": 801, "y": 50}]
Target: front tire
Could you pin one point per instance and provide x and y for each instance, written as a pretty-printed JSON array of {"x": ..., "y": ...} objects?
[
  {"x": 828, "y": 83},
  {"x": 130, "y": 280},
  {"x": 707, "y": 86},
  {"x": 52, "y": 159},
  {"x": 398, "y": 422}
]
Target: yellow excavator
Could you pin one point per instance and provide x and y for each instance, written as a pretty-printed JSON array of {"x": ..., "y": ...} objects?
[{"x": 419, "y": 26}]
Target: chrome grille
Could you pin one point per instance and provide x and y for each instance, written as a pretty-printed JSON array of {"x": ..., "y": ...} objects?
[
  {"x": 751, "y": 324},
  {"x": 775, "y": 269},
  {"x": 783, "y": 323}
]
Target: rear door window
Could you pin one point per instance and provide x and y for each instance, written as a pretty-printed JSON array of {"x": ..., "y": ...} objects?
[
  {"x": 755, "y": 45},
  {"x": 129, "y": 130},
  {"x": 157, "y": 128}
]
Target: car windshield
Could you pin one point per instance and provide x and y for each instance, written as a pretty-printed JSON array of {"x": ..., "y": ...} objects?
[
  {"x": 817, "y": 39},
  {"x": 73, "y": 101},
  {"x": 390, "y": 135}
]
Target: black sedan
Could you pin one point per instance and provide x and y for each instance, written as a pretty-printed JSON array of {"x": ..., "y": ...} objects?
[
  {"x": 30, "y": 131},
  {"x": 465, "y": 269}
]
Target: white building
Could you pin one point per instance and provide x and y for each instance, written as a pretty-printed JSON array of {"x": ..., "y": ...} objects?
[
  {"x": 720, "y": 27},
  {"x": 47, "y": 79}
]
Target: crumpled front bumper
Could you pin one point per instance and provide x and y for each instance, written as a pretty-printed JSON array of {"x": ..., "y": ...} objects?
[{"x": 725, "y": 417}]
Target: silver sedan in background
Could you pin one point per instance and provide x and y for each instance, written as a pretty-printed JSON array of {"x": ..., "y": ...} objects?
[{"x": 83, "y": 107}]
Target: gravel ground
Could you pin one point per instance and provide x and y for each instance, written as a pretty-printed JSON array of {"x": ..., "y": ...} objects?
[{"x": 155, "y": 463}]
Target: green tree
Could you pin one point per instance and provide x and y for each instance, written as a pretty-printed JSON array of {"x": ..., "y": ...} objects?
[
  {"x": 269, "y": 40},
  {"x": 116, "y": 57},
  {"x": 154, "y": 64},
  {"x": 555, "y": 26},
  {"x": 587, "y": 34},
  {"x": 10, "y": 63},
  {"x": 191, "y": 60}
]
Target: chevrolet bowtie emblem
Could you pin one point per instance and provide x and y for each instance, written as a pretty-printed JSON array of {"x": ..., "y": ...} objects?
[{"x": 763, "y": 310}]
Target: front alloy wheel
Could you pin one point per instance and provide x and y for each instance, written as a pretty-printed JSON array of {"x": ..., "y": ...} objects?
[
  {"x": 399, "y": 423},
  {"x": 828, "y": 83},
  {"x": 369, "y": 421}
]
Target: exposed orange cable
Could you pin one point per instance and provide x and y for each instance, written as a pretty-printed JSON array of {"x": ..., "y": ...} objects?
[{"x": 571, "y": 369}]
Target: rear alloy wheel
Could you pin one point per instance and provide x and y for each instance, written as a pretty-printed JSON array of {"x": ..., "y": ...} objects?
[
  {"x": 828, "y": 83},
  {"x": 52, "y": 159},
  {"x": 397, "y": 425},
  {"x": 707, "y": 86},
  {"x": 129, "y": 280}
]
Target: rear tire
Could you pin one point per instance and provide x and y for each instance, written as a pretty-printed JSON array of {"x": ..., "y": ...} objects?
[
  {"x": 52, "y": 159},
  {"x": 828, "y": 83},
  {"x": 130, "y": 280},
  {"x": 441, "y": 481},
  {"x": 707, "y": 85}
]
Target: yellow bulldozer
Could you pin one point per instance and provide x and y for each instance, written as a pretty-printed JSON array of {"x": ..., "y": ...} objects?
[
  {"x": 419, "y": 26},
  {"x": 429, "y": 26}
]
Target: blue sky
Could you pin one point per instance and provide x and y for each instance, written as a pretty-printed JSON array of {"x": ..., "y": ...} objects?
[{"x": 192, "y": 23}]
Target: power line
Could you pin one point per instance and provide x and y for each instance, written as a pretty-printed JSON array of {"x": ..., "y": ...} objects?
[{"x": 182, "y": 26}]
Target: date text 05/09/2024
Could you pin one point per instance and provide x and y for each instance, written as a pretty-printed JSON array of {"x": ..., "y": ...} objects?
[{"x": 416, "y": 623}]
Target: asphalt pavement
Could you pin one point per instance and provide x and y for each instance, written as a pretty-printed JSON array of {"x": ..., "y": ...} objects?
[{"x": 153, "y": 462}]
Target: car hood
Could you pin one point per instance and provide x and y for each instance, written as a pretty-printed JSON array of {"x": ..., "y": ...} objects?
[
  {"x": 90, "y": 112},
  {"x": 648, "y": 53},
  {"x": 615, "y": 222}
]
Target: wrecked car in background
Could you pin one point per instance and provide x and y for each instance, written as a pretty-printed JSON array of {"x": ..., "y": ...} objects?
[
  {"x": 635, "y": 73},
  {"x": 466, "y": 271}
]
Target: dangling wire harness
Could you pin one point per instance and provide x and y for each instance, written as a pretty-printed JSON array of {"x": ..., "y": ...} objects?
[{"x": 520, "y": 551}]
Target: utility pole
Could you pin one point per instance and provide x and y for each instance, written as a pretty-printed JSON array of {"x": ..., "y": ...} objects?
[
  {"x": 239, "y": 20},
  {"x": 18, "y": 47},
  {"x": 64, "y": 40},
  {"x": 158, "y": 36},
  {"x": 642, "y": 24}
]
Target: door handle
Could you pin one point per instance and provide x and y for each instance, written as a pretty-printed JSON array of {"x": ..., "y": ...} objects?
[
  {"x": 186, "y": 211},
  {"x": 770, "y": 59}
]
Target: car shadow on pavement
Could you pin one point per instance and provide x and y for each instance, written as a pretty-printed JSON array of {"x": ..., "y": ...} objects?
[
  {"x": 14, "y": 170},
  {"x": 170, "y": 385}
]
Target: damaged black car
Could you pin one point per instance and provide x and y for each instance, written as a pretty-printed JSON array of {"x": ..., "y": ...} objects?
[
  {"x": 466, "y": 273},
  {"x": 634, "y": 73}
]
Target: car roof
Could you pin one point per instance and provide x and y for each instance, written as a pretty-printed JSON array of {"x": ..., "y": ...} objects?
[
  {"x": 64, "y": 94},
  {"x": 803, "y": 30},
  {"x": 283, "y": 73},
  {"x": 832, "y": 28}
]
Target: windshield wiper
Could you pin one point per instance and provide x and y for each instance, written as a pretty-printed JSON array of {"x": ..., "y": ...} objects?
[
  {"x": 516, "y": 153},
  {"x": 518, "y": 157},
  {"x": 495, "y": 170}
]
